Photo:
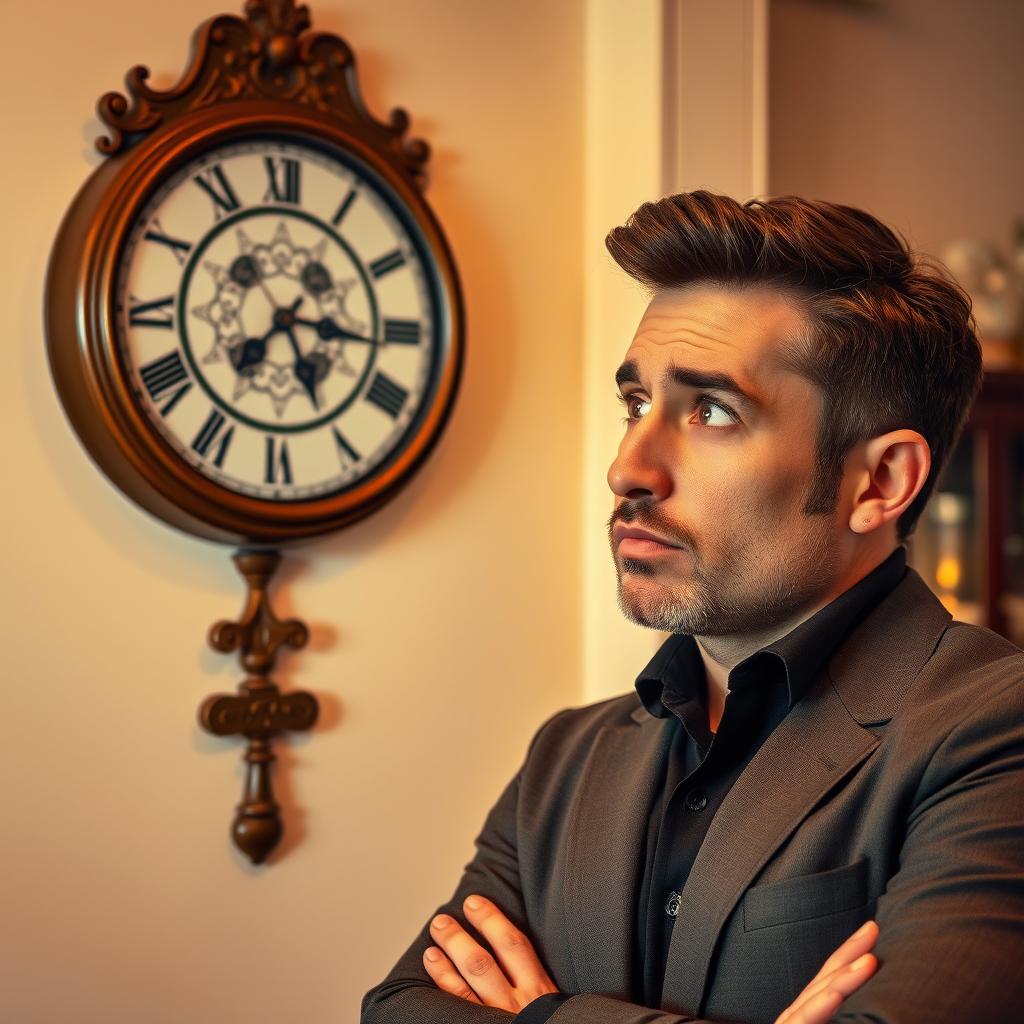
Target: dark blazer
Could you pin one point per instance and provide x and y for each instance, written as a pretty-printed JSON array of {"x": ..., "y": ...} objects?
[{"x": 894, "y": 790}]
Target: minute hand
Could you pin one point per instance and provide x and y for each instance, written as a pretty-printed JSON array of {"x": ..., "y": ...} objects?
[{"x": 328, "y": 329}]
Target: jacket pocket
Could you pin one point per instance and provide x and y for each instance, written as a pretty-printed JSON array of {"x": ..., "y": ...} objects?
[{"x": 797, "y": 899}]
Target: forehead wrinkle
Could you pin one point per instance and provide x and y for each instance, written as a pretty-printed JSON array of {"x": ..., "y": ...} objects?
[
  {"x": 707, "y": 331},
  {"x": 690, "y": 340}
]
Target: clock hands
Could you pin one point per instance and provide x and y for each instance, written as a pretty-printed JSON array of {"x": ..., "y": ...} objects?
[
  {"x": 309, "y": 370},
  {"x": 316, "y": 280},
  {"x": 253, "y": 351},
  {"x": 327, "y": 329}
]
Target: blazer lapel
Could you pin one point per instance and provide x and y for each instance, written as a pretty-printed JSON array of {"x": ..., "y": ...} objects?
[
  {"x": 606, "y": 840},
  {"x": 820, "y": 741}
]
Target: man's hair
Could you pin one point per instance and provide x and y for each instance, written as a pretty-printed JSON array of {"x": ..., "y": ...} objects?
[{"x": 891, "y": 340}]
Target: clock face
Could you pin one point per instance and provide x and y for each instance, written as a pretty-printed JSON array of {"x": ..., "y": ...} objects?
[{"x": 278, "y": 315}]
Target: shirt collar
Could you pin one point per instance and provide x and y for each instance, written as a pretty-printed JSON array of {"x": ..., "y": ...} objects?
[{"x": 796, "y": 657}]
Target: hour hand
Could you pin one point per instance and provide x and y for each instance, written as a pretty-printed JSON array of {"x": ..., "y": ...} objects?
[
  {"x": 250, "y": 353},
  {"x": 309, "y": 370}
]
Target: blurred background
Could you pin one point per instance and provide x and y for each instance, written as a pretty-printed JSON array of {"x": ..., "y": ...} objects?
[{"x": 450, "y": 624}]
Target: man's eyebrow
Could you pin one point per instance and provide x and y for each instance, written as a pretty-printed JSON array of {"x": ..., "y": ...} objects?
[{"x": 628, "y": 373}]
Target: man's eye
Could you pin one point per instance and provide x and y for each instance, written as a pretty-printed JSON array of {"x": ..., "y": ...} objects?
[
  {"x": 629, "y": 402},
  {"x": 730, "y": 416}
]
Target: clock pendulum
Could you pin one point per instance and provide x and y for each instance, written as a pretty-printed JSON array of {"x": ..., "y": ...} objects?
[
  {"x": 259, "y": 711},
  {"x": 255, "y": 323}
]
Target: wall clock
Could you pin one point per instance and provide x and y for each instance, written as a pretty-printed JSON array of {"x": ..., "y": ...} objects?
[{"x": 253, "y": 319}]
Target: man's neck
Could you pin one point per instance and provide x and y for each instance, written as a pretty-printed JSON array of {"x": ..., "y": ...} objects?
[{"x": 721, "y": 653}]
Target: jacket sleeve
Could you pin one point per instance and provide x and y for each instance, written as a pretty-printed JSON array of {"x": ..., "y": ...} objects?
[
  {"x": 408, "y": 995},
  {"x": 951, "y": 920}
]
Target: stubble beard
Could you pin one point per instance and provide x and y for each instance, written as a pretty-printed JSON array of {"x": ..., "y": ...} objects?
[{"x": 736, "y": 595}]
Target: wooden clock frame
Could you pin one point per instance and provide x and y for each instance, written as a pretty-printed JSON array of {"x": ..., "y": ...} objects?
[{"x": 247, "y": 79}]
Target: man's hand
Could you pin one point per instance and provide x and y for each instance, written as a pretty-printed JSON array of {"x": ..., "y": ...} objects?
[
  {"x": 471, "y": 972},
  {"x": 842, "y": 973}
]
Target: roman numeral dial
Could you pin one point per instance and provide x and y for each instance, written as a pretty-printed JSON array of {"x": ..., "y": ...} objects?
[
  {"x": 285, "y": 175},
  {"x": 215, "y": 183},
  {"x": 282, "y": 320},
  {"x": 154, "y": 313},
  {"x": 386, "y": 395},
  {"x": 166, "y": 381},
  {"x": 214, "y": 437}
]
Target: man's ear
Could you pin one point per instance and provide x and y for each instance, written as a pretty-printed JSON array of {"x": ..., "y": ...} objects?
[{"x": 893, "y": 469}]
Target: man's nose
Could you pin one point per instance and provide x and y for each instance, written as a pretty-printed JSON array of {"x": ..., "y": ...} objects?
[{"x": 642, "y": 467}]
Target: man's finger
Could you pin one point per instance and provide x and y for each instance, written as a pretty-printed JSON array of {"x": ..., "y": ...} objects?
[
  {"x": 513, "y": 949},
  {"x": 476, "y": 965},
  {"x": 849, "y": 951},
  {"x": 817, "y": 1010},
  {"x": 442, "y": 972},
  {"x": 855, "y": 946},
  {"x": 818, "y": 1001}
]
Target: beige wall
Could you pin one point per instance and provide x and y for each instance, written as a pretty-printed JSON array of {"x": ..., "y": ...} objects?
[
  {"x": 623, "y": 163},
  {"x": 908, "y": 108},
  {"x": 445, "y": 628}
]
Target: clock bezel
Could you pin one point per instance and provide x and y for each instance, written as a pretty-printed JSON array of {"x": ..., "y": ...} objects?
[{"x": 97, "y": 389}]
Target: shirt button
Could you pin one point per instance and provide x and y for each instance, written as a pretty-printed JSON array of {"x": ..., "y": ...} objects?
[
  {"x": 672, "y": 906},
  {"x": 696, "y": 801}
]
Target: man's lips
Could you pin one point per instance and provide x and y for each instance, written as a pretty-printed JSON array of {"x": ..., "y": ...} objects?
[{"x": 631, "y": 540}]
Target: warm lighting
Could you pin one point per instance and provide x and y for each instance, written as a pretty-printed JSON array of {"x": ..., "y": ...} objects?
[{"x": 947, "y": 575}]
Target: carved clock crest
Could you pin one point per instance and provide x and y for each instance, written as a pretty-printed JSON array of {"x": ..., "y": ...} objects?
[{"x": 255, "y": 324}]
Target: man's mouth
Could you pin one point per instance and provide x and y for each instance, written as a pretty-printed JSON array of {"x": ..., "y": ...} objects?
[{"x": 633, "y": 542}]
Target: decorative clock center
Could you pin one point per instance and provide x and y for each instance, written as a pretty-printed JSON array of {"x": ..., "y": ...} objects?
[
  {"x": 272, "y": 305},
  {"x": 284, "y": 319}
]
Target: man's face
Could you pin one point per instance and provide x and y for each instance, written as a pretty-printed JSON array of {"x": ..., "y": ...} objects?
[{"x": 722, "y": 478}]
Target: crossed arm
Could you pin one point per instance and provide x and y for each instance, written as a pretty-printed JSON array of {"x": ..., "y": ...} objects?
[
  {"x": 512, "y": 976},
  {"x": 950, "y": 925},
  {"x": 469, "y": 984}
]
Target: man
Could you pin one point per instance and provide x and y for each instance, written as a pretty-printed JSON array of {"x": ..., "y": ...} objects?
[{"x": 815, "y": 809}]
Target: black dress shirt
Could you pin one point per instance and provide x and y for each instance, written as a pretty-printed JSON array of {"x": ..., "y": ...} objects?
[{"x": 702, "y": 766}]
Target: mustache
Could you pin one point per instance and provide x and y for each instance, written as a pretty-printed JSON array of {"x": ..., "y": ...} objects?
[{"x": 642, "y": 514}]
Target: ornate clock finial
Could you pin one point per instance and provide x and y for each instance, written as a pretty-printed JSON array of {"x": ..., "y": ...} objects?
[
  {"x": 273, "y": 18},
  {"x": 268, "y": 55},
  {"x": 279, "y": 23}
]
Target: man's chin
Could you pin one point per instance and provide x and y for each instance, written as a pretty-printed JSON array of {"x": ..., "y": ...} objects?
[{"x": 651, "y": 611}]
